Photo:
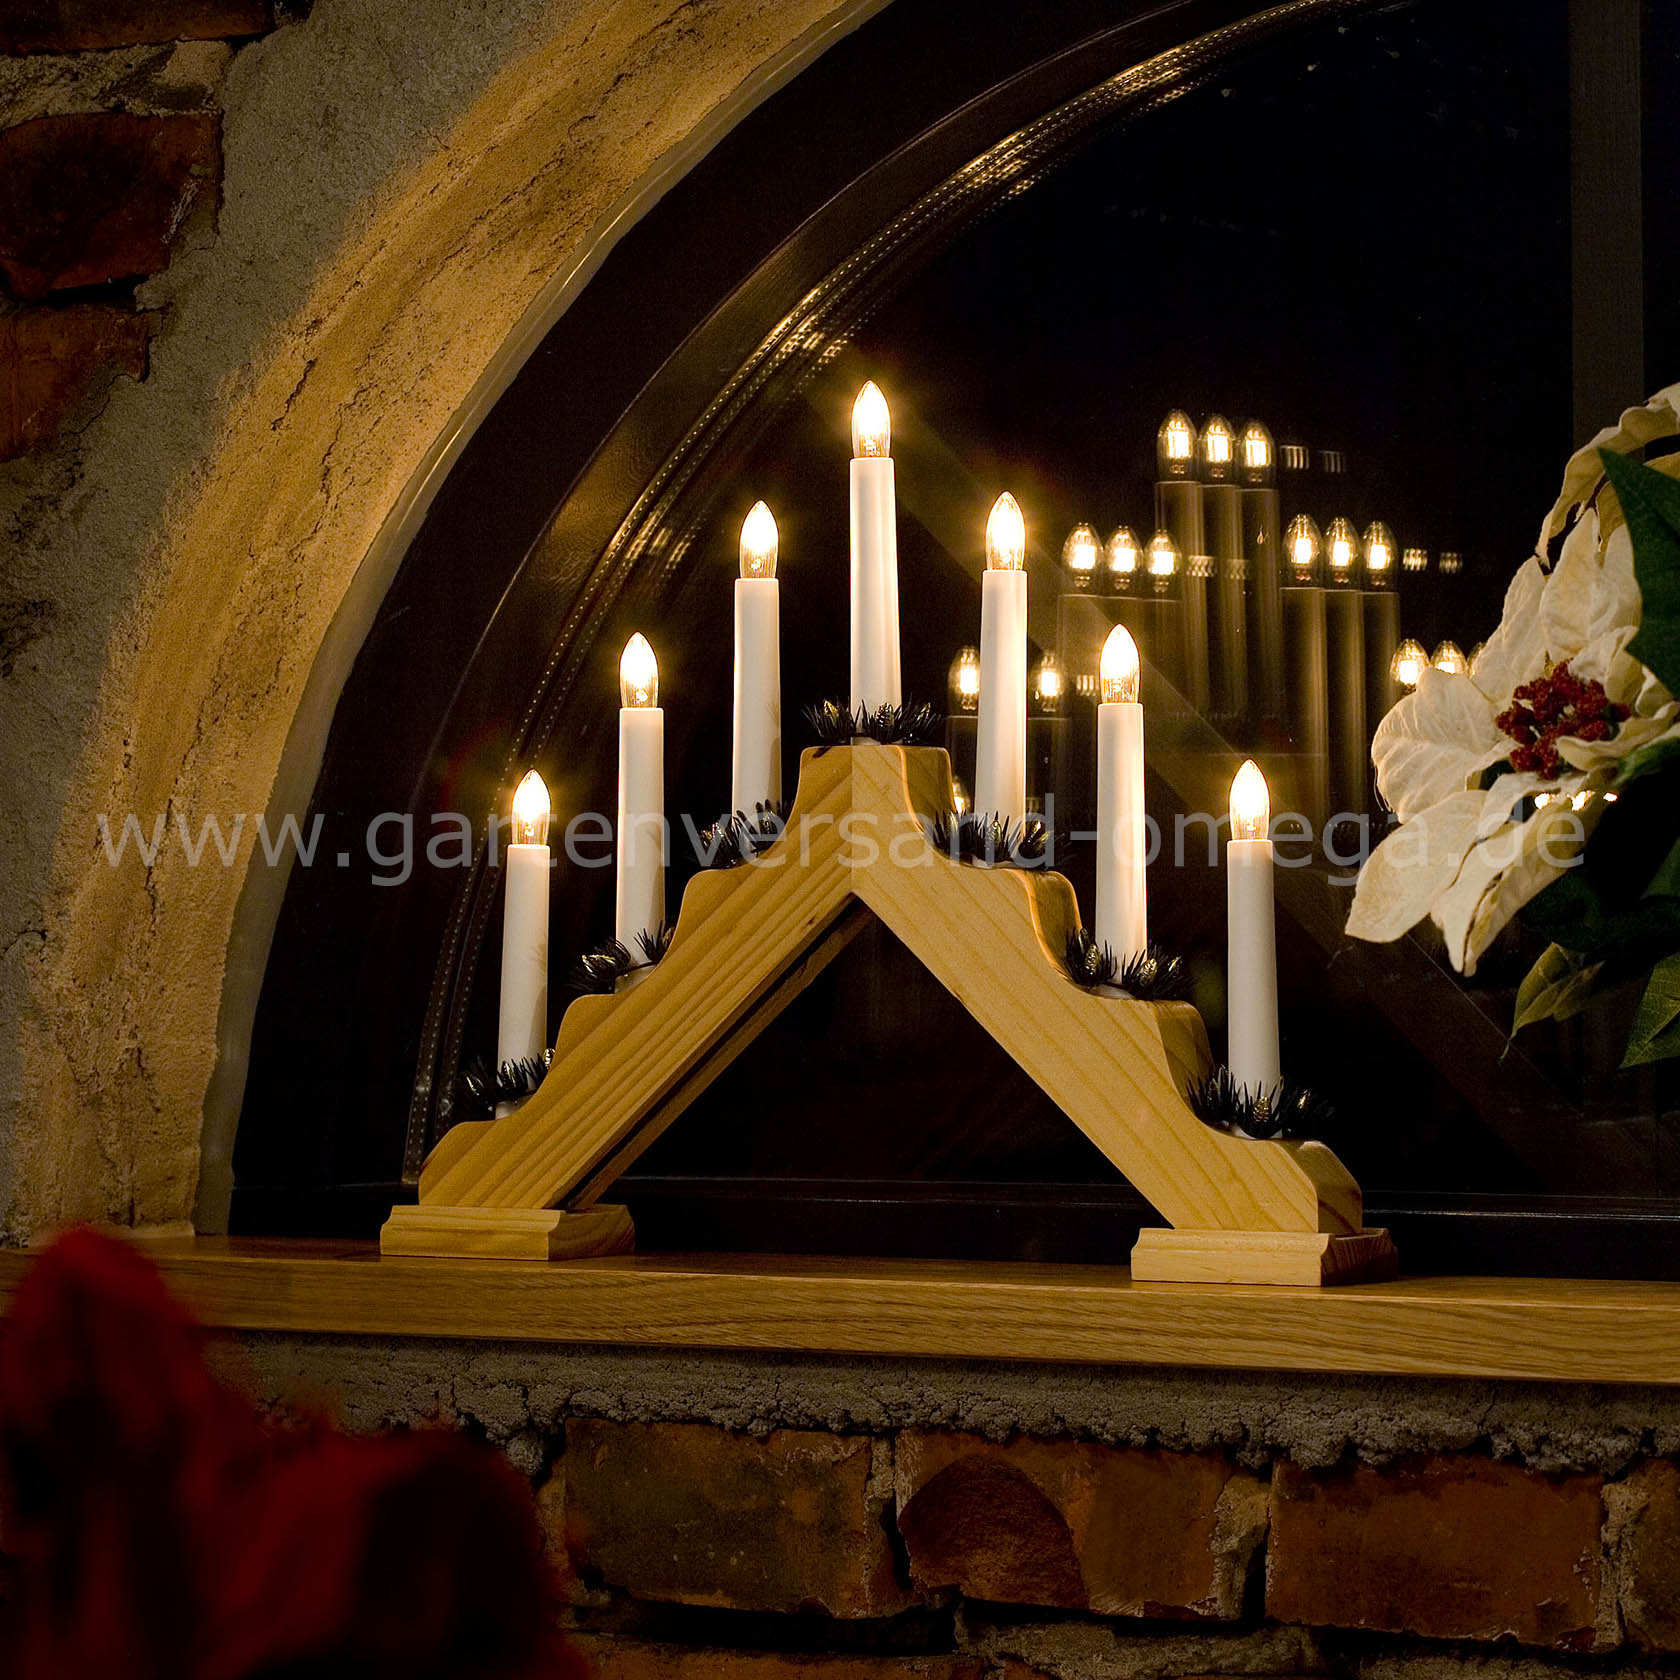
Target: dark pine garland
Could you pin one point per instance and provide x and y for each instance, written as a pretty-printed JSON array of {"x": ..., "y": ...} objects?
[
  {"x": 914, "y": 724},
  {"x": 985, "y": 837},
  {"x": 1291, "y": 1111},
  {"x": 1152, "y": 975},
  {"x": 511, "y": 1082},
  {"x": 737, "y": 837},
  {"x": 599, "y": 971}
]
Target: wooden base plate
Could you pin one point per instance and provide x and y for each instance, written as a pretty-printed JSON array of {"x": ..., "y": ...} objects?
[
  {"x": 493, "y": 1233},
  {"x": 1289, "y": 1257}
]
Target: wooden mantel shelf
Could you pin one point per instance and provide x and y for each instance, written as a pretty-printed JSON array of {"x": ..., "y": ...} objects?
[{"x": 1529, "y": 1329}]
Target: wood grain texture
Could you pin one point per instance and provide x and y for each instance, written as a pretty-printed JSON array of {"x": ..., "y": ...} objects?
[
  {"x": 507, "y": 1233},
  {"x": 1296, "y": 1258},
  {"x": 748, "y": 940},
  {"x": 1519, "y": 1328}
]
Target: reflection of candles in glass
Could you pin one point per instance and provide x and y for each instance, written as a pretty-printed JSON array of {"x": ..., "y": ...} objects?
[
  {"x": 641, "y": 795},
  {"x": 1080, "y": 554},
  {"x": 959, "y": 797},
  {"x": 1122, "y": 922},
  {"x": 1408, "y": 664},
  {"x": 1262, "y": 543},
  {"x": 1121, "y": 553},
  {"x": 1449, "y": 658},
  {"x": 1251, "y": 959},
  {"x": 1415, "y": 560},
  {"x": 1306, "y": 655},
  {"x": 1178, "y": 512},
  {"x": 1160, "y": 620},
  {"x": 1450, "y": 562},
  {"x": 757, "y": 760},
  {"x": 1000, "y": 774},
  {"x": 1382, "y": 622},
  {"x": 1047, "y": 685},
  {"x": 1223, "y": 526},
  {"x": 965, "y": 680},
  {"x": 522, "y": 1022},
  {"x": 1344, "y": 609},
  {"x": 874, "y": 530},
  {"x": 1163, "y": 561}
]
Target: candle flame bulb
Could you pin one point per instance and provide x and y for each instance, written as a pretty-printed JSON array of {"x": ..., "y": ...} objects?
[
  {"x": 965, "y": 680},
  {"x": 638, "y": 674},
  {"x": 530, "y": 811},
  {"x": 1047, "y": 684},
  {"x": 871, "y": 423},
  {"x": 1415, "y": 560},
  {"x": 1122, "y": 552},
  {"x": 1379, "y": 551},
  {"x": 1218, "y": 450},
  {"x": 759, "y": 543},
  {"x": 1409, "y": 660},
  {"x": 1449, "y": 657},
  {"x": 1163, "y": 555},
  {"x": 1341, "y": 545},
  {"x": 1175, "y": 445},
  {"x": 1117, "y": 669},
  {"x": 1080, "y": 551},
  {"x": 959, "y": 797},
  {"x": 1256, "y": 455},
  {"x": 1251, "y": 803},
  {"x": 1006, "y": 536},
  {"x": 1302, "y": 544}
]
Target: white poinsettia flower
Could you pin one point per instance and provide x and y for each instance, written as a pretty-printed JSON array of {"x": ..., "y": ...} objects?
[{"x": 1555, "y": 698}]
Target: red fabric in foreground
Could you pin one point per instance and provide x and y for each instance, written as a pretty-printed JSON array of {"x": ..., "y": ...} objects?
[{"x": 157, "y": 1527}]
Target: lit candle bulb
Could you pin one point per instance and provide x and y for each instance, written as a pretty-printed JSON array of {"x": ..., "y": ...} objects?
[
  {"x": 965, "y": 680},
  {"x": 1163, "y": 561},
  {"x": 1251, "y": 978},
  {"x": 874, "y": 529},
  {"x": 1341, "y": 549},
  {"x": 1379, "y": 555},
  {"x": 1122, "y": 922},
  {"x": 522, "y": 1022},
  {"x": 641, "y": 795},
  {"x": 1218, "y": 450},
  {"x": 1303, "y": 545},
  {"x": 1415, "y": 560},
  {"x": 1000, "y": 773},
  {"x": 1079, "y": 555},
  {"x": 1410, "y": 658},
  {"x": 1175, "y": 446},
  {"x": 1121, "y": 552},
  {"x": 1047, "y": 685},
  {"x": 1449, "y": 657},
  {"x": 756, "y": 763},
  {"x": 959, "y": 797}
]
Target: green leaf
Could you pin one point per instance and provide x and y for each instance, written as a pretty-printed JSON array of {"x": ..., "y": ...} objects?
[
  {"x": 1651, "y": 504},
  {"x": 1655, "y": 1033},
  {"x": 1650, "y": 760},
  {"x": 1588, "y": 917},
  {"x": 1558, "y": 986}
]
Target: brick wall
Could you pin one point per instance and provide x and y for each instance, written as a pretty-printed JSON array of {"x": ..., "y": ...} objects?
[
  {"x": 692, "y": 1551},
  {"x": 109, "y": 158}
]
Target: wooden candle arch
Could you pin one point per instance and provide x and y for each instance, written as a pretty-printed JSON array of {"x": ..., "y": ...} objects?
[{"x": 750, "y": 939}]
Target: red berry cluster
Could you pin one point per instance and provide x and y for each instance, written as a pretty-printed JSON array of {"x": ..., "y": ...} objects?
[{"x": 1557, "y": 704}]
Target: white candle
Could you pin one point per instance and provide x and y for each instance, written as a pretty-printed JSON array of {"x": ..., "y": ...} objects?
[
  {"x": 522, "y": 1024},
  {"x": 1122, "y": 905},
  {"x": 1251, "y": 977},
  {"x": 875, "y": 663},
  {"x": 1000, "y": 766},
  {"x": 756, "y": 764},
  {"x": 641, "y": 796}
]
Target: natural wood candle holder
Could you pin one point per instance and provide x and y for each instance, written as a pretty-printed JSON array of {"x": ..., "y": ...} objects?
[{"x": 750, "y": 939}]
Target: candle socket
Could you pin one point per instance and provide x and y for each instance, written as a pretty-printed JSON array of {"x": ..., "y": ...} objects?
[
  {"x": 1350, "y": 741},
  {"x": 874, "y": 537},
  {"x": 1251, "y": 978},
  {"x": 1122, "y": 913},
  {"x": 522, "y": 1020},
  {"x": 641, "y": 833},
  {"x": 1308, "y": 697},
  {"x": 756, "y": 758},
  {"x": 1000, "y": 771},
  {"x": 1263, "y": 549}
]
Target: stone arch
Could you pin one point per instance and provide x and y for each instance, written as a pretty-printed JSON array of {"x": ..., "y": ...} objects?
[{"x": 411, "y": 195}]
